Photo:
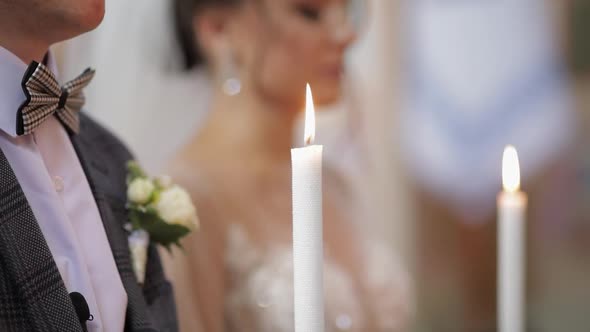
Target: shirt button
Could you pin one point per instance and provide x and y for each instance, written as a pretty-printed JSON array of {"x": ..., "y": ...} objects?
[{"x": 58, "y": 183}]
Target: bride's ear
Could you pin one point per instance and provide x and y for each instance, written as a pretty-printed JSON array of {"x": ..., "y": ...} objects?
[{"x": 211, "y": 31}]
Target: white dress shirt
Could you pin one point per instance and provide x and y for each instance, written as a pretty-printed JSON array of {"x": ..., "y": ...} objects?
[{"x": 55, "y": 185}]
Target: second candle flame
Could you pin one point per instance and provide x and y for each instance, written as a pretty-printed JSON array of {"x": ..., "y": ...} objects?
[
  {"x": 510, "y": 170},
  {"x": 309, "y": 134}
]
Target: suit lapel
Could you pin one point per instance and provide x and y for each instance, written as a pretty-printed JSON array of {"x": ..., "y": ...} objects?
[
  {"x": 110, "y": 199},
  {"x": 37, "y": 295}
]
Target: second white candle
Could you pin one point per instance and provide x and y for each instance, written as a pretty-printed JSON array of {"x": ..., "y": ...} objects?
[{"x": 511, "y": 246}]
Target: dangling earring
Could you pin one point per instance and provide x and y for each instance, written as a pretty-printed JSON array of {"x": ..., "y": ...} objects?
[{"x": 231, "y": 84}]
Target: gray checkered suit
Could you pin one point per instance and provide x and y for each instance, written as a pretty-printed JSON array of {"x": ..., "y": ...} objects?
[{"x": 33, "y": 296}]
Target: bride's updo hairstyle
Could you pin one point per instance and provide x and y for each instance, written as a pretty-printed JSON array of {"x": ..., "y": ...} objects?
[{"x": 184, "y": 14}]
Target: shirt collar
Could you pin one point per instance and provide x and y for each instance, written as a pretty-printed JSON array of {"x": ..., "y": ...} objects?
[{"x": 12, "y": 70}]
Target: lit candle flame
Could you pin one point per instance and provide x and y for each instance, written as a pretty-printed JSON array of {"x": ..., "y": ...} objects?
[
  {"x": 510, "y": 170},
  {"x": 309, "y": 135}
]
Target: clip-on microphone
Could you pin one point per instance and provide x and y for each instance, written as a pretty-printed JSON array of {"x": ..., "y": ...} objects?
[{"x": 82, "y": 309}]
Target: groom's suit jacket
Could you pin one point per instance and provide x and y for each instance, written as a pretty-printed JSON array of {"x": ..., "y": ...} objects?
[{"x": 33, "y": 296}]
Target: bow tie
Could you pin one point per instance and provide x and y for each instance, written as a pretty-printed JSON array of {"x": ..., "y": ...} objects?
[{"x": 45, "y": 98}]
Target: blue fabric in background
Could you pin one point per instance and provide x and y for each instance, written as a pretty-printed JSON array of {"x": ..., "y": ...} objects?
[{"x": 480, "y": 75}]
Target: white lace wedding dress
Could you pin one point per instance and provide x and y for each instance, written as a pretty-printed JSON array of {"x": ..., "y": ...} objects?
[{"x": 261, "y": 296}]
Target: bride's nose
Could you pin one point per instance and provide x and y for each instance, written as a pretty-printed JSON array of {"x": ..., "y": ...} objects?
[{"x": 342, "y": 29}]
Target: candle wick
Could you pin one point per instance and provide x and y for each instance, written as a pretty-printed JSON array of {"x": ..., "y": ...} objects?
[{"x": 308, "y": 141}]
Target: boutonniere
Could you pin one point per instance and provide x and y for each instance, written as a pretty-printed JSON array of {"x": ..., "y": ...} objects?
[{"x": 159, "y": 211}]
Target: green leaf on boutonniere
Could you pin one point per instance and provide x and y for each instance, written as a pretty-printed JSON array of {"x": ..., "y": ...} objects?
[
  {"x": 160, "y": 231},
  {"x": 134, "y": 171}
]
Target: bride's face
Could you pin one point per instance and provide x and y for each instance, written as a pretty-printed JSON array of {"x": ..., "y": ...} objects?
[{"x": 283, "y": 44}]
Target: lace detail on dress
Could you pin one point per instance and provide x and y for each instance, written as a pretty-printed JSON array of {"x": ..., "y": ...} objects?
[{"x": 260, "y": 294}]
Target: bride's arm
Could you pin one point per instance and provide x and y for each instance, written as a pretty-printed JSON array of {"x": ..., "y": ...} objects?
[{"x": 198, "y": 273}]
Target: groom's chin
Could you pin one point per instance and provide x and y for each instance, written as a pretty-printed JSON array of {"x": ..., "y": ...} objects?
[
  {"x": 75, "y": 16},
  {"x": 90, "y": 14}
]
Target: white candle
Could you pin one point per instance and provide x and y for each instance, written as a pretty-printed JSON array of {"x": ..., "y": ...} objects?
[
  {"x": 511, "y": 251},
  {"x": 308, "y": 252}
]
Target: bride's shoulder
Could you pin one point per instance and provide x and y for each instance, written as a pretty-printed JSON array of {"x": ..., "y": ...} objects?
[
  {"x": 190, "y": 175},
  {"x": 203, "y": 176},
  {"x": 188, "y": 171}
]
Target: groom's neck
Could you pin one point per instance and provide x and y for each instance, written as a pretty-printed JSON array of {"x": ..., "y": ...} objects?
[
  {"x": 24, "y": 47},
  {"x": 26, "y": 53}
]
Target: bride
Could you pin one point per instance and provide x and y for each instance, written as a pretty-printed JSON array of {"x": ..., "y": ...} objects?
[{"x": 236, "y": 272}]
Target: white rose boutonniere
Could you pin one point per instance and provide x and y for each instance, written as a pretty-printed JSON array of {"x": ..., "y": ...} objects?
[
  {"x": 176, "y": 208},
  {"x": 140, "y": 190},
  {"x": 159, "y": 211}
]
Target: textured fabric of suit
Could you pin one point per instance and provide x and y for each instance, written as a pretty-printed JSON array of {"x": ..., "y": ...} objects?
[{"x": 33, "y": 296}]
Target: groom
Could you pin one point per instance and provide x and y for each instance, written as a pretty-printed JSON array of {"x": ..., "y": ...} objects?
[{"x": 64, "y": 258}]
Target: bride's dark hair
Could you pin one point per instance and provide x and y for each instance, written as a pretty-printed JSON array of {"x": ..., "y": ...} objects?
[{"x": 184, "y": 13}]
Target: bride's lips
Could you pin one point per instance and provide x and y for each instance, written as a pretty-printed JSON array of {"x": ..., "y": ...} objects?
[{"x": 333, "y": 72}]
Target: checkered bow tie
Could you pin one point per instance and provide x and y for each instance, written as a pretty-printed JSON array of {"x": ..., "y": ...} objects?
[{"x": 45, "y": 98}]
